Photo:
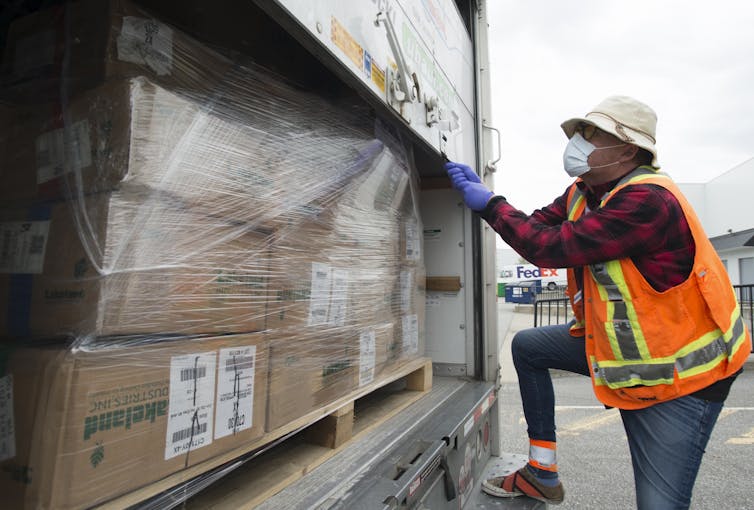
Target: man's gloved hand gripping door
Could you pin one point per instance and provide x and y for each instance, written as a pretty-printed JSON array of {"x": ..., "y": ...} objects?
[{"x": 464, "y": 179}]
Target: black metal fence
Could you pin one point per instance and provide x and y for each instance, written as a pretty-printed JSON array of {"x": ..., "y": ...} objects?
[
  {"x": 552, "y": 307},
  {"x": 551, "y": 311},
  {"x": 745, "y": 295}
]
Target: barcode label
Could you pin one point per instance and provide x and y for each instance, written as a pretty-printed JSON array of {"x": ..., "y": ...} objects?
[
  {"x": 37, "y": 245},
  {"x": 339, "y": 297},
  {"x": 22, "y": 246},
  {"x": 234, "y": 410},
  {"x": 7, "y": 421},
  {"x": 146, "y": 42},
  {"x": 413, "y": 242},
  {"x": 195, "y": 430},
  {"x": 191, "y": 404},
  {"x": 63, "y": 150},
  {"x": 190, "y": 374},
  {"x": 235, "y": 364},
  {"x": 367, "y": 356},
  {"x": 410, "y": 325},
  {"x": 319, "y": 302},
  {"x": 407, "y": 286}
]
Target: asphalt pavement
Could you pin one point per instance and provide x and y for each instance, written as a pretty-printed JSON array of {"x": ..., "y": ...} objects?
[{"x": 593, "y": 456}]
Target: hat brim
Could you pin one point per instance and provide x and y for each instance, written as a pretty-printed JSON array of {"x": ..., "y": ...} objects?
[{"x": 608, "y": 125}]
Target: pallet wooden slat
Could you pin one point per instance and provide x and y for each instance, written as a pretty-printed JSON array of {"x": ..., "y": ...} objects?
[{"x": 294, "y": 458}]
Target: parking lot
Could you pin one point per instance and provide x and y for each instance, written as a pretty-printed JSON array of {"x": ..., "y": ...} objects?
[{"x": 593, "y": 455}]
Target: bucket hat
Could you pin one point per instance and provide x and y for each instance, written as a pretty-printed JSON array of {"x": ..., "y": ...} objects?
[{"x": 628, "y": 119}]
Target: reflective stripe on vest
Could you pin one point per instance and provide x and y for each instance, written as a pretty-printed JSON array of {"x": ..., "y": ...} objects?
[
  {"x": 575, "y": 201},
  {"x": 633, "y": 364},
  {"x": 714, "y": 346}
]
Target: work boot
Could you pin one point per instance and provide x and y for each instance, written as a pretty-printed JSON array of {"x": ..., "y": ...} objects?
[{"x": 523, "y": 483}]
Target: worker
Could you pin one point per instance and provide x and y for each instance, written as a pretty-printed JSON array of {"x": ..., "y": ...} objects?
[{"x": 656, "y": 322}]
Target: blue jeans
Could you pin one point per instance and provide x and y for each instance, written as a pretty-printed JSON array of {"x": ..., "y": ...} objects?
[{"x": 666, "y": 440}]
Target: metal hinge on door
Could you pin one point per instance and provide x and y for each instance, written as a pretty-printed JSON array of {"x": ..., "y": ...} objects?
[{"x": 402, "y": 83}]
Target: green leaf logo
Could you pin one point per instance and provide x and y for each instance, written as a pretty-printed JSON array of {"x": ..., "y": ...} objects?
[{"x": 97, "y": 455}]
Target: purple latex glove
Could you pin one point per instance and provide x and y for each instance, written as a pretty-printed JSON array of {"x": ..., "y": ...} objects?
[{"x": 464, "y": 179}]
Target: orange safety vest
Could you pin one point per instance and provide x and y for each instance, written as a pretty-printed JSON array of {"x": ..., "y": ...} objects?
[{"x": 645, "y": 346}]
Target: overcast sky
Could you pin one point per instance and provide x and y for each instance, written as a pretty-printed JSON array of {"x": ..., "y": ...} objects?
[{"x": 691, "y": 61}]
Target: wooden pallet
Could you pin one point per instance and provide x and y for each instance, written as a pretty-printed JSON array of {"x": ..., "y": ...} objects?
[{"x": 322, "y": 434}]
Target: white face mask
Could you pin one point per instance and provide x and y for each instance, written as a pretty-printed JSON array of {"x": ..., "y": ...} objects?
[{"x": 577, "y": 153}]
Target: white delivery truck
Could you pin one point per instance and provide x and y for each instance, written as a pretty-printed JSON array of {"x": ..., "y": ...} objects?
[
  {"x": 550, "y": 278},
  {"x": 420, "y": 71}
]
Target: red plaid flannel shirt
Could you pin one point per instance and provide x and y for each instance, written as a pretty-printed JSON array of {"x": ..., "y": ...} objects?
[{"x": 643, "y": 222}]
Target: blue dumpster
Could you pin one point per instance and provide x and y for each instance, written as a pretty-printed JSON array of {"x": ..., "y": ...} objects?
[{"x": 523, "y": 292}]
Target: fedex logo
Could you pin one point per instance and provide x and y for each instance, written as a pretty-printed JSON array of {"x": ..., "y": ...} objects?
[{"x": 539, "y": 272}]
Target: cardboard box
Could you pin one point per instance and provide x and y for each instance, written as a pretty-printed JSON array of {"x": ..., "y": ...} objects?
[
  {"x": 379, "y": 352},
  {"x": 241, "y": 152},
  {"x": 309, "y": 371},
  {"x": 337, "y": 269},
  {"x": 87, "y": 42},
  {"x": 119, "y": 264},
  {"x": 317, "y": 293},
  {"x": 48, "y": 161},
  {"x": 135, "y": 135},
  {"x": 110, "y": 419},
  {"x": 409, "y": 311},
  {"x": 22, "y": 384}
]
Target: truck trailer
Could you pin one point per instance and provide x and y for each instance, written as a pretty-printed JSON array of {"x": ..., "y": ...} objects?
[
  {"x": 235, "y": 274},
  {"x": 550, "y": 278}
]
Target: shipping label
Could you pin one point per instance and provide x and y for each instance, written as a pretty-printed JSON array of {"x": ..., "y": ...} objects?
[
  {"x": 235, "y": 390},
  {"x": 22, "y": 246},
  {"x": 7, "y": 423},
  {"x": 67, "y": 149},
  {"x": 319, "y": 301},
  {"x": 191, "y": 404},
  {"x": 146, "y": 42},
  {"x": 413, "y": 244},
  {"x": 338, "y": 303},
  {"x": 407, "y": 287},
  {"x": 367, "y": 356},
  {"x": 410, "y": 334}
]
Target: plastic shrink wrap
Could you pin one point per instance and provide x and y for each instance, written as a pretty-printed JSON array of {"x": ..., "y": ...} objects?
[{"x": 193, "y": 254}]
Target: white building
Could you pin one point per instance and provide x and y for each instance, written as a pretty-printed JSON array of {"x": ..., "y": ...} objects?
[{"x": 725, "y": 207}]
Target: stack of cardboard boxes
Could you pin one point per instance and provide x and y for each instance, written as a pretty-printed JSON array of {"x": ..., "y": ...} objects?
[
  {"x": 87, "y": 425},
  {"x": 193, "y": 253}
]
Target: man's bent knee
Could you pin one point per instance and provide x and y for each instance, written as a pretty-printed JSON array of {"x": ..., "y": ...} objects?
[{"x": 522, "y": 343}]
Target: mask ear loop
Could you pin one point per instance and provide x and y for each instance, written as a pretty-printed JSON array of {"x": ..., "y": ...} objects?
[{"x": 609, "y": 147}]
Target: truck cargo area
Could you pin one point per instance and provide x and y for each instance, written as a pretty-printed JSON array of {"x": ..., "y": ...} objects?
[
  {"x": 429, "y": 452},
  {"x": 248, "y": 282}
]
